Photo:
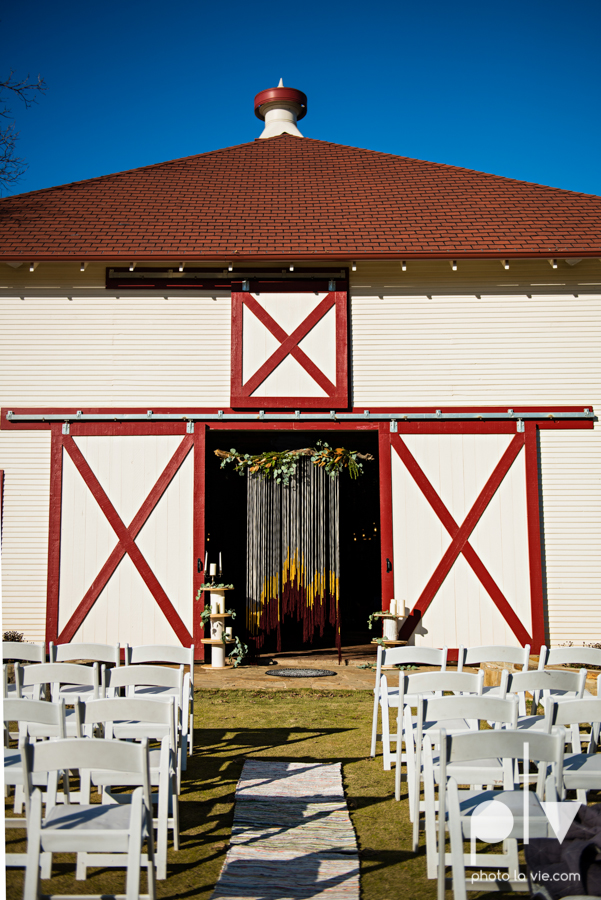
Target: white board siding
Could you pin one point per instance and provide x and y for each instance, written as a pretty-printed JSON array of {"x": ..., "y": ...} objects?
[
  {"x": 112, "y": 351},
  {"x": 507, "y": 351},
  {"x": 127, "y": 468},
  {"x": 458, "y": 467},
  {"x": 571, "y": 491},
  {"x": 25, "y": 458}
]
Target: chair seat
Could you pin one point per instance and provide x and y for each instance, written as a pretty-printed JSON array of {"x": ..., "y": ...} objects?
[
  {"x": 107, "y": 777},
  {"x": 582, "y": 770},
  {"x": 476, "y": 771},
  {"x": 410, "y": 699},
  {"x": 26, "y": 691},
  {"x": 531, "y": 723},
  {"x": 493, "y": 691},
  {"x": 73, "y": 692},
  {"x": 37, "y": 730},
  {"x": 563, "y": 695},
  {"x": 538, "y": 824},
  {"x": 136, "y": 730},
  {"x": 13, "y": 769},
  {"x": 452, "y": 726},
  {"x": 152, "y": 690},
  {"x": 110, "y": 825}
]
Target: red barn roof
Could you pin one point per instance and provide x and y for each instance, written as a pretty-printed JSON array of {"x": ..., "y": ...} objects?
[{"x": 296, "y": 198}]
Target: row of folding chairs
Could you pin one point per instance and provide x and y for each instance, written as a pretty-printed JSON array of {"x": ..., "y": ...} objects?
[
  {"x": 486, "y": 764},
  {"x": 546, "y": 682},
  {"x": 71, "y": 683},
  {"x": 445, "y": 748},
  {"x": 110, "y": 655},
  {"x": 110, "y": 721}
]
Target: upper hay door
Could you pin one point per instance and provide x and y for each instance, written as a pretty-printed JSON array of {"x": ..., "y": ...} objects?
[{"x": 289, "y": 346}]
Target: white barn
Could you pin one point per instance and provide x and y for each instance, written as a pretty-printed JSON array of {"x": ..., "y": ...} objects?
[{"x": 445, "y": 319}]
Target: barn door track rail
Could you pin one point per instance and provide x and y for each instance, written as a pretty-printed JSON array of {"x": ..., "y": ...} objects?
[{"x": 400, "y": 416}]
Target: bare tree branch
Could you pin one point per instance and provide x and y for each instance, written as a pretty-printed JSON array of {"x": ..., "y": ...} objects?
[{"x": 28, "y": 91}]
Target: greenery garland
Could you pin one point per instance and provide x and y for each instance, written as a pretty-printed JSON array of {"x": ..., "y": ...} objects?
[{"x": 280, "y": 466}]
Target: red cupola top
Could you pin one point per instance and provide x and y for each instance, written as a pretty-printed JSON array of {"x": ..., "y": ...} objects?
[{"x": 280, "y": 108}]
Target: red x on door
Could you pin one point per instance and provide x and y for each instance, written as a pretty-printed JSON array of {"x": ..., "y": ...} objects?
[
  {"x": 461, "y": 531},
  {"x": 126, "y": 535},
  {"x": 321, "y": 362}
]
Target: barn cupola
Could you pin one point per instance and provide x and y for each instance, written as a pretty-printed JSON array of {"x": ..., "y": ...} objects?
[{"x": 280, "y": 108}]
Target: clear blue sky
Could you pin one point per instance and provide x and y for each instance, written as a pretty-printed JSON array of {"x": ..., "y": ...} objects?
[{"x": 510, "y": 88}]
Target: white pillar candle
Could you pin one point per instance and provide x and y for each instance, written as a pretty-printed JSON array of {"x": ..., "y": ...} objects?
[
  {"x": 392, "y": 609},
  {"x": 214, "y": 604},
  {"x": 229, "y": 632},
  {"x": 213, "y": 569},
  {"x": 220, "y": 568},
  {"x": 222, "y": 605},
  {"x": 206, "y": 561}
]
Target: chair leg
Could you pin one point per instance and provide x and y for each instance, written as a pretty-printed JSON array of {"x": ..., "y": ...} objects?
[
  {"x": 46, "y": 865},
  {"x": 150, "y": 861},
  {"x": 457, "y": 857},
  {"x": 32, "y": 865},
  {"x": 431, "y": 846},
  {"x": 175, "y": 817},
  {"x": 386, "y": 737},
  {"x": 134, "y": 851},
  {"x": 374, "y": 725},
  {"x": 81, "y": 868},
  {"x": 162, "y": 833}
]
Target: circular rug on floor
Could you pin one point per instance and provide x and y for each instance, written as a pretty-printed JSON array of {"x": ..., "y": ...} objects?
[{"x": 300, "y": 673}]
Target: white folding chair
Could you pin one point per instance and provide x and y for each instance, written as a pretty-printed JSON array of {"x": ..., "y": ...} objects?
[
  {"x": 527, "y": 815},
  {"x": 19, "y": 651},
  {"x": 99, "y": 830},
  {"x": 439, "y": 712},
  {"x": 170, "y": 655},
  {"x": 542, "y": 683},
  {"x": 397, "y": 656},
  {"x": 68, "y": 682},
  {"x": 473, "y": 656},
  {"x": 127, "y": 718},
  {"x": 26, "y": 712},
  {"x": 157, "y": 682},
  {"x": 569, "y": 656},
  {"x": 581, "y": 771},
  {"x": 409, "y": 694},
  {"x": 101, "y": 653}
]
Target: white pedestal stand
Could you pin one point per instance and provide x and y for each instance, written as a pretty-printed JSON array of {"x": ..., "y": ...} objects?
[{"x": 217, "y": 619}]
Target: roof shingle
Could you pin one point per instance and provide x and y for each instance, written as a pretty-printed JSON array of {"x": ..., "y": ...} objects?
[{"x": 290, "y": 197}]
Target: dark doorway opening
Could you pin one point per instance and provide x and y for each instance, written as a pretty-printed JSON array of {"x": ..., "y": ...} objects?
[{"x": 360, "y": 581}]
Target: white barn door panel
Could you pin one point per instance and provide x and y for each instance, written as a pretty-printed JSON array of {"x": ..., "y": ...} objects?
[
  {"x": 126, "y": 539},
  {"x": 460, "y": 538}
]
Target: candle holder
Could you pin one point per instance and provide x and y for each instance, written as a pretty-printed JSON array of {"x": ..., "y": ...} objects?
[{"x": 217, "y": 617}]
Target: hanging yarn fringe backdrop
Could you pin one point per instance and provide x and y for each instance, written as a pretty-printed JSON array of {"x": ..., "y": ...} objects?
[{"x": 293, "y": 554}]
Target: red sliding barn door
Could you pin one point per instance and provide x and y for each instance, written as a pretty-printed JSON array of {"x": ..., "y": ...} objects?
[
  {"x": 289, "y": 349},
  {"x": 465, "y": 535},
  {"x": 126, "y": 528}
]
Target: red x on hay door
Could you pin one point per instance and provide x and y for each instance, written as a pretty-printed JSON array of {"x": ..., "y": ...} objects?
[
  {"x": 466, "y": 538},
  {"x": 289, "y": 349},
  {"x": 123, "y": 538}
]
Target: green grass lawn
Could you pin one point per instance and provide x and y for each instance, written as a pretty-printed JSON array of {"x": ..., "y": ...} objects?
[{"x": 304, "y": 725}]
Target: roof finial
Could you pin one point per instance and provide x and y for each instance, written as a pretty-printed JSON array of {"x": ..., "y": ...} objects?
[{"x": 280, "y": 108}]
